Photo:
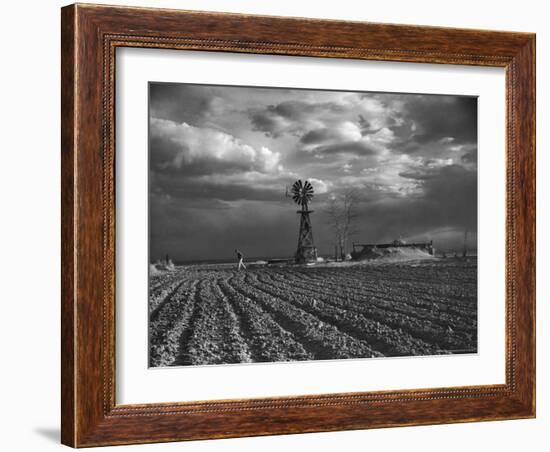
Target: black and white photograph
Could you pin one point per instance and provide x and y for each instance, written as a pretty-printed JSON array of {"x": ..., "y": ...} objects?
[{"x": 299, "y": 225}]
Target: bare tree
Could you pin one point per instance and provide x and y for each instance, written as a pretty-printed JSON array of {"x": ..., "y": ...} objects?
[
  {"x": 333, "y": 213},
  {"x": 341, "y": 213}
]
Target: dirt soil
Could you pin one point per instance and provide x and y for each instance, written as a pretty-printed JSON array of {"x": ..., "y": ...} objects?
[{"x": 217, "y": 315}]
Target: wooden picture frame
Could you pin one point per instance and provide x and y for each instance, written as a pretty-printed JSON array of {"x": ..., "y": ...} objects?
[{"x": 90, "y": 36}]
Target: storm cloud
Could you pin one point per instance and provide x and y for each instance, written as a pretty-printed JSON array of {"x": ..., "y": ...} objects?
[{"x": 221, "y": 159}]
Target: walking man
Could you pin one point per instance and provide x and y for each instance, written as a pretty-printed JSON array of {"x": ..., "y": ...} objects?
[{"x": 240, "y": 259}]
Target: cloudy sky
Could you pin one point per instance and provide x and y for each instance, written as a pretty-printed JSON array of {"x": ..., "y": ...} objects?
[{"x": 221, "y": 157}]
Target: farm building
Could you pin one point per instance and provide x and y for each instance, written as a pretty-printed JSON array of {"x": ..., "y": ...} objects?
[{"x": 363, "y": 251}]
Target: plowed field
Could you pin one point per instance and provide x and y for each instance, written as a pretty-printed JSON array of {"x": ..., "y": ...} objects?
[{"x": 217, "y": 315}]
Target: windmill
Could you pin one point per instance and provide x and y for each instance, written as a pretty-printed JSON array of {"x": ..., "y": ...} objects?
[{"x": 302, "y": 195}]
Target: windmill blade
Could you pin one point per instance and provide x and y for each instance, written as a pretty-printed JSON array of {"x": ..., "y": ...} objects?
[{"x": 302, "y": 192}]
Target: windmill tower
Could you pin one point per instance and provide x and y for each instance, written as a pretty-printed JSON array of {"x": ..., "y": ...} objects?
[{"x": 302, "y": 195}]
